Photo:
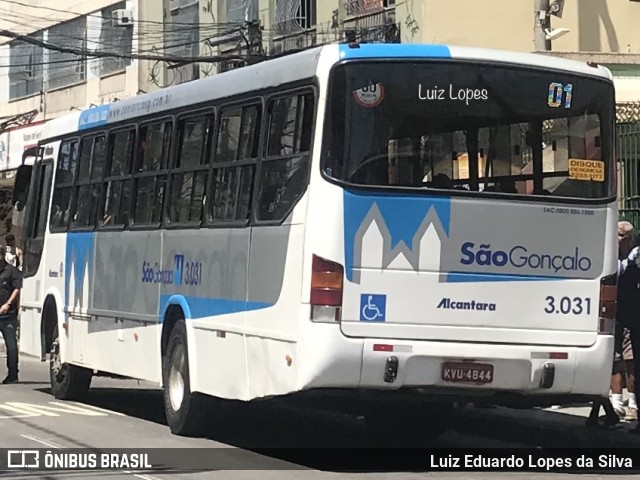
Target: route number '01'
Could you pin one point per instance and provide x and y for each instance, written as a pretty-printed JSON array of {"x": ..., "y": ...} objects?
[{"x": 559, "y": 93}]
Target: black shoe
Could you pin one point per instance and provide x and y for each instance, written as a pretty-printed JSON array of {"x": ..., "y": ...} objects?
[{"x": 10, "y": 380}]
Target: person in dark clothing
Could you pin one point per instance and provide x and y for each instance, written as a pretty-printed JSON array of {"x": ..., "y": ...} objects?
[
  {"x": 635, "y": 345},
  {"x": 627, "y": 298},
  {"x": 628, "y": 301},
  {"x": 10, "y": 285}
]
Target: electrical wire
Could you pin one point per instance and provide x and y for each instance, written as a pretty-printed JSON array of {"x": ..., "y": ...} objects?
[
  {"x": 83, "y": 52},
  {"x": 76, "y": 14}
]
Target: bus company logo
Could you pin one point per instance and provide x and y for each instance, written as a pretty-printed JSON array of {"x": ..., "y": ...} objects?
[
  {"x": 178, "y": 269},
  {"x": 182, "y": 273},
  {"x": 449, "y": 304},
  {"x": 152, "y": 273},
  {"x": 520, "y": 257}
]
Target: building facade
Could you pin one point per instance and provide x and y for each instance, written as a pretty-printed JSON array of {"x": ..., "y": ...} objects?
[
  {"x": 51, "y": 83},
  {"x": 106, "y": 50}
]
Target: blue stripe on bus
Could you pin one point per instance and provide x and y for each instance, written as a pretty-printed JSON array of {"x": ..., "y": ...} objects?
[
  {"x": 391, "y": 50},
  {"x": 466, "y": 277},
  {"x": 201, "y": 307},
  {"x": 79, "y": 254}
]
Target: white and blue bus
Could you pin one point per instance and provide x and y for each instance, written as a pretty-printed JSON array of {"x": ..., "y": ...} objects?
[{"x": 413, "y": 224}]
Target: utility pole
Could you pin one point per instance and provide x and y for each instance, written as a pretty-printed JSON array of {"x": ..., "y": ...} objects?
[{"x": 542, "y": 22}]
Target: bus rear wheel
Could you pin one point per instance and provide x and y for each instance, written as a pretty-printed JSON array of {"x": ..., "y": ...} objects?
[
  {"x": 68, "y": 382},
  {"x": 185, "y": 410}
]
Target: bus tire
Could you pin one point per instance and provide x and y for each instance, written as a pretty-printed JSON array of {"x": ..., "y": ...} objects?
[
  {"x": 68, "y": 382},
  {"x": 407, "y": 426},
  {"x": 185, "y": 411}
]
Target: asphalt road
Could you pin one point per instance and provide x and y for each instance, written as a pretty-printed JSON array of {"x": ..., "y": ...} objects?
[{"x": 129, "y": 414}]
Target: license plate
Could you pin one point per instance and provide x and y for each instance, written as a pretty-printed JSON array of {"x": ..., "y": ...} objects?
[{"x": 461, "y": 372}]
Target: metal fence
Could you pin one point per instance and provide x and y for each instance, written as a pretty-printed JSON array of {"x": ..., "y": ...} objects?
[{"x": 628, "y": 152}]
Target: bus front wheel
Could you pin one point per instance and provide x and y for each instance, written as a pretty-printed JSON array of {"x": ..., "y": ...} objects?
[
  {"x": 68, "y": 382},
  {"x": 185, "y": 411}
]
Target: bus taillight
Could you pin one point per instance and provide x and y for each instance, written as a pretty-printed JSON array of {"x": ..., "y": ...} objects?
[
  {"x": 607, "y": 314},
  {"x": 326, "y": 290}
]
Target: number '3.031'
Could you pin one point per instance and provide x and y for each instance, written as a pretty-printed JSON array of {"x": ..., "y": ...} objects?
[{"x": 567, "y": 305}]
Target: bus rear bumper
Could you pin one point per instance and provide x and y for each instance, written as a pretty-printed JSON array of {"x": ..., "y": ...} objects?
[
  {"x": 470, "y": 368},
  {"x": 517, "y": 370}
]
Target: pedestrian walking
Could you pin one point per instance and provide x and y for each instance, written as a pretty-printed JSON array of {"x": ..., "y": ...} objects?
[
  {"x": 628, "y": 307},
  {"x": 10, "y": 285}
]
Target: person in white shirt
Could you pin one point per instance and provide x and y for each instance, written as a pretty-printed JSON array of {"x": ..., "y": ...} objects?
[{"x": 14, "y": 254}]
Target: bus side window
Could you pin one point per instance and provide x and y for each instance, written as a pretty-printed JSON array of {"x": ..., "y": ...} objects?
[
  {"x": 63, "y": 188},
  {"x": 234, "y": 164},
  {"x": 117, "y": 187},
  {"x": 89, "y": 181},
  {"x": 285, "y": 167},
  {"x": 191, "y": 170},
  {"x": 150, "y": 174}
]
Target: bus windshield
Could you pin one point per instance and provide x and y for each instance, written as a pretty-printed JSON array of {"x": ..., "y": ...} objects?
[{"x": 470, "y": 126}]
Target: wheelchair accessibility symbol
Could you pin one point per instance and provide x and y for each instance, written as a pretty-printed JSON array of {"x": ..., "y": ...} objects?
[{"x": 373, "y": 307}]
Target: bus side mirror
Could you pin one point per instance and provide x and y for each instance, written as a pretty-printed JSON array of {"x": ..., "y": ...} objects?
[{"x": 21, "y": 186}]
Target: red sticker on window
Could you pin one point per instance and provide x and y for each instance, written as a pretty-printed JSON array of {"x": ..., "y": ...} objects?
[{"x": 370, "y": 96}]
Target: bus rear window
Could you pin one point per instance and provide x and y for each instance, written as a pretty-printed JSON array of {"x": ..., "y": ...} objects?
[{"x": 475, "y": 127}]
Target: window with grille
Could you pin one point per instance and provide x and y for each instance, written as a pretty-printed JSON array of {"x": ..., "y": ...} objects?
[
  {"x": 294, "y": 15},
  {"x": 67, "y": 68},
  {"x": 363, "y": 7},
  {"x": 182, "y": 37},
  {"x": 114, "y": 39},
  {"x": 25, "y": 68},
  {"x": 239, "y": 11}
]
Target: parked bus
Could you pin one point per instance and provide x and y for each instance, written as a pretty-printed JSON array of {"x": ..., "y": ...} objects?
[{"x": 391, "y": 227}]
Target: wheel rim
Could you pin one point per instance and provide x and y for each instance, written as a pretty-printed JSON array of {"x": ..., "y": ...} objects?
[
  {"x": 176, "y": 378},
  {"x": 57, "y": 370}
]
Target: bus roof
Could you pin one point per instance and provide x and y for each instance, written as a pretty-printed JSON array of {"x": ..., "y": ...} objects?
[
  {"x": 415, "y": 50},
  {"x": 291, "y": 68}
]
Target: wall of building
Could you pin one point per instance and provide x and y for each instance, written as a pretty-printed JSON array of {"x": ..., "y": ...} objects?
[
  {"x": 100, "y": 82},
  {"x": 596, "y": 25}
]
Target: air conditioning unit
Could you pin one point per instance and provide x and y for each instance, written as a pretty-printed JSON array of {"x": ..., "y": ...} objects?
[{"x": 122, "y": 18}]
